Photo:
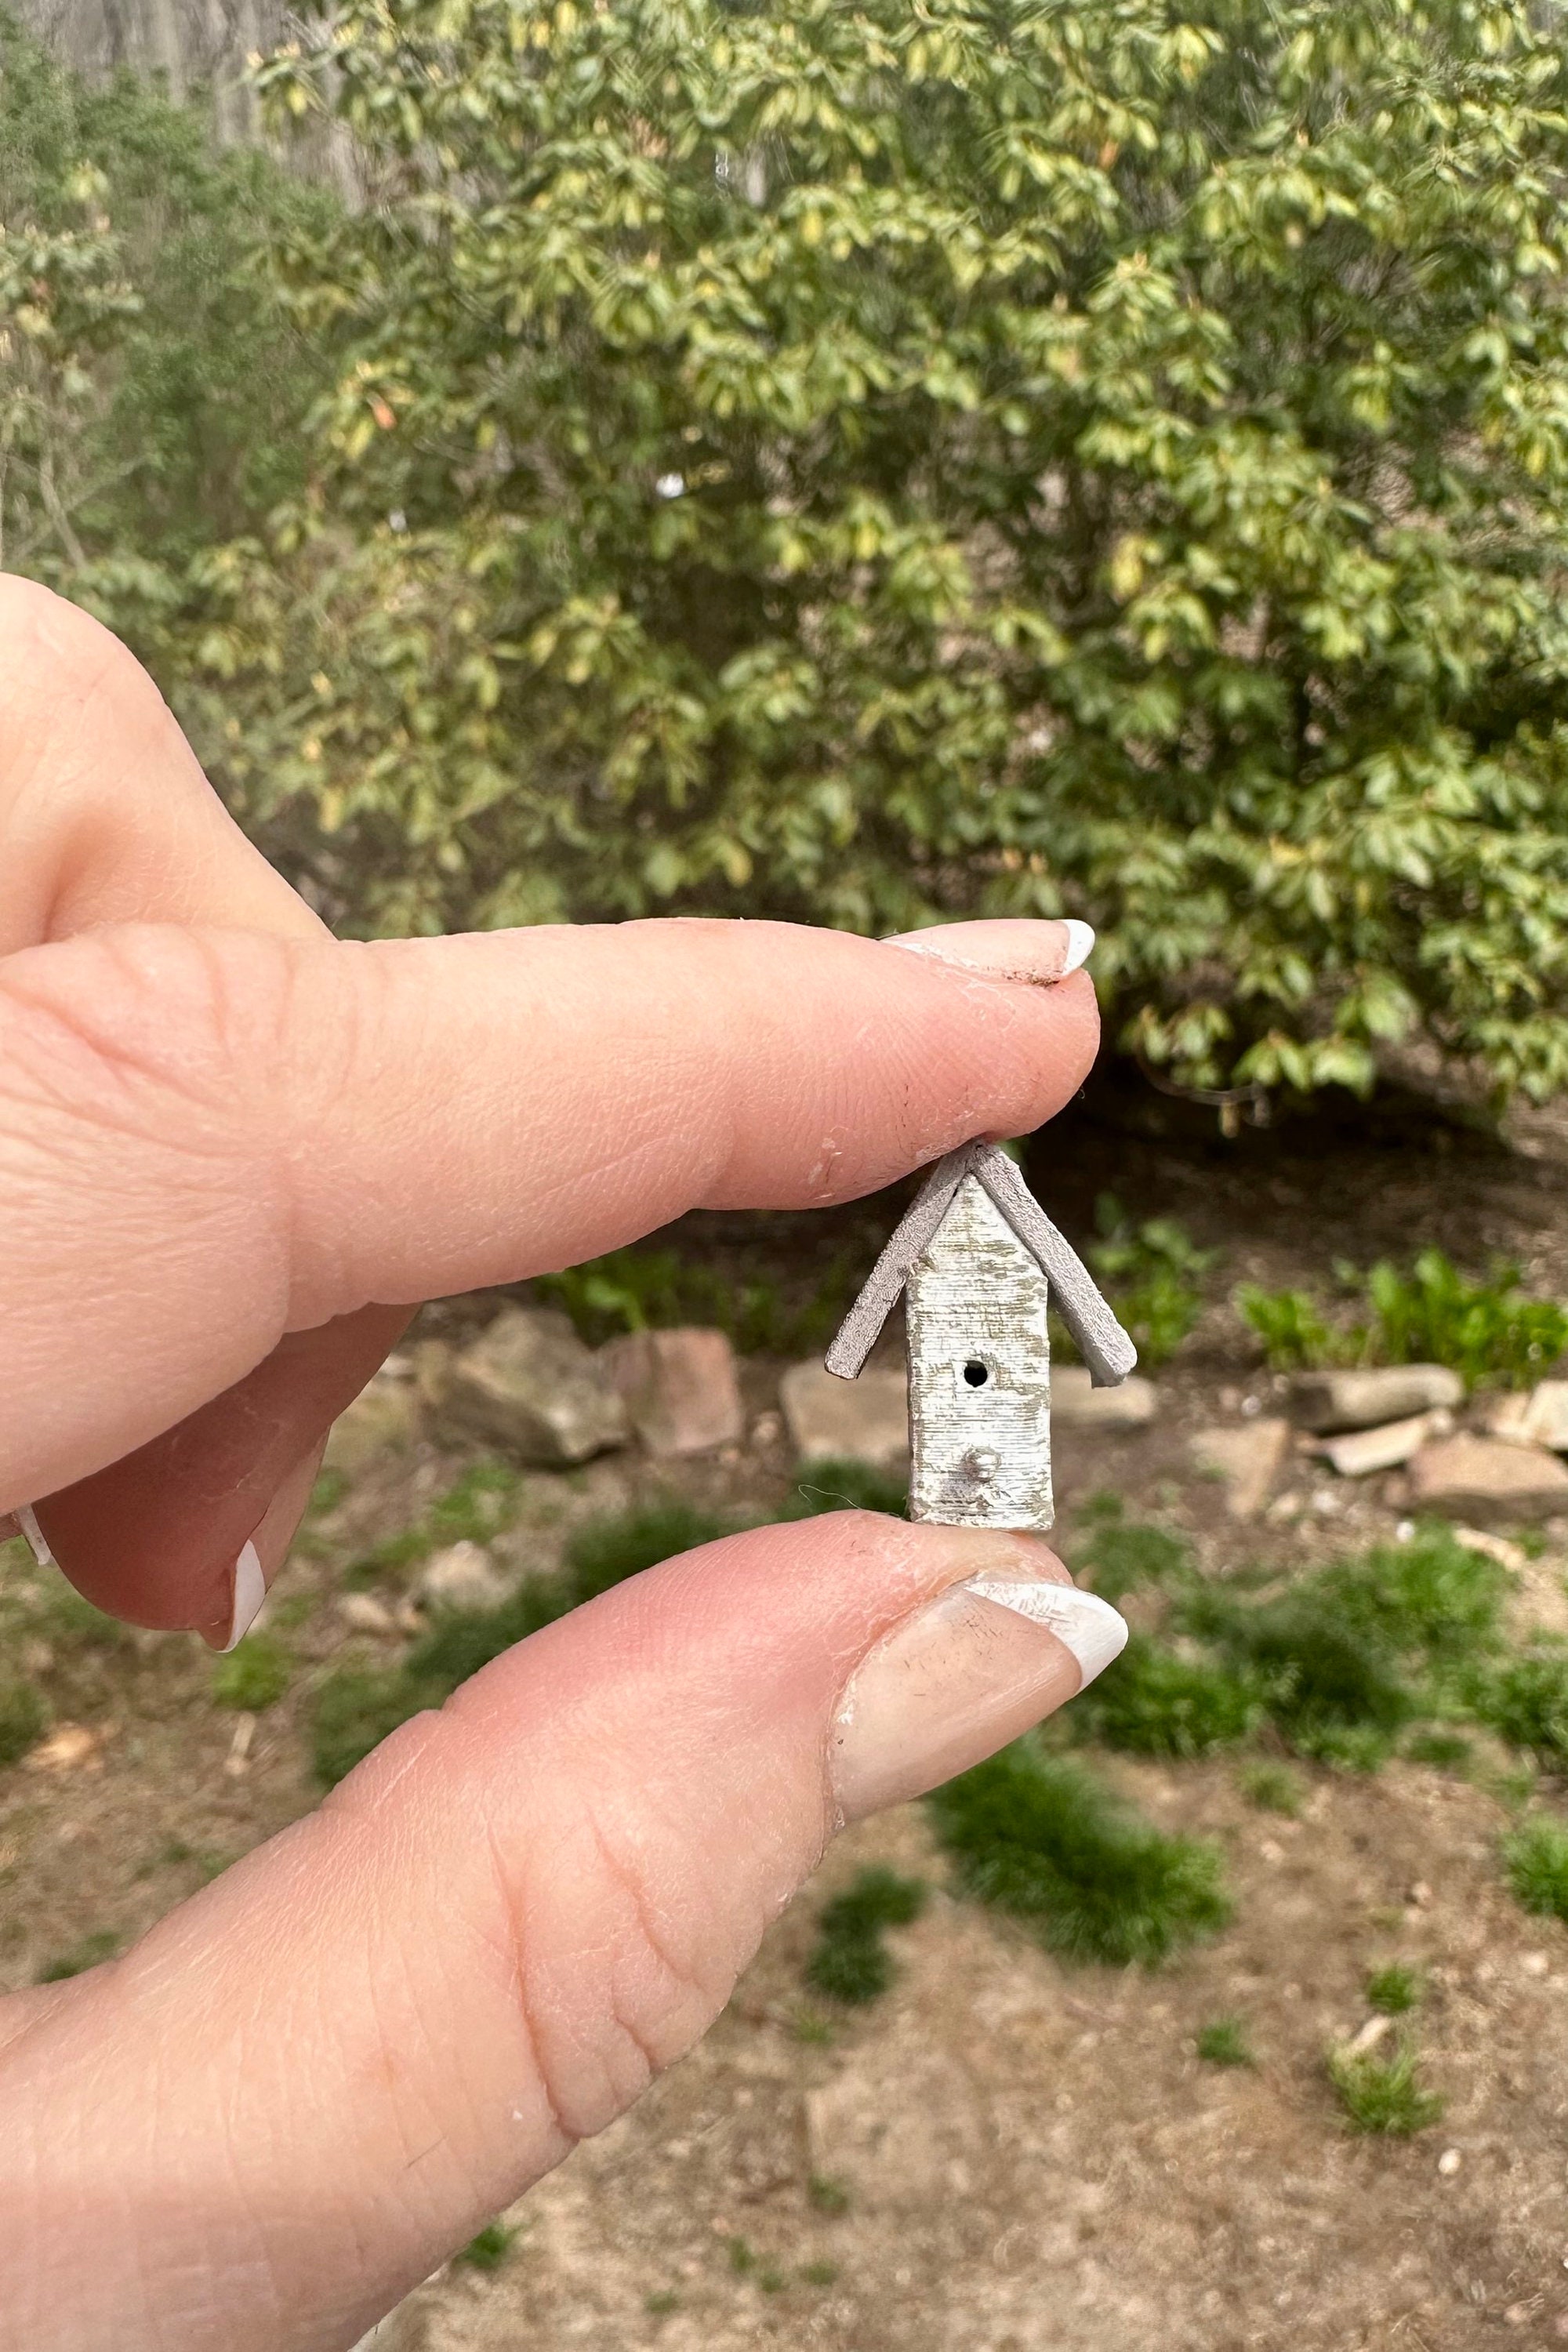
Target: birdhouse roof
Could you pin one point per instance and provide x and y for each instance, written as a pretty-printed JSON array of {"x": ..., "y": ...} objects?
[{"x": 1101, "y": 1341}]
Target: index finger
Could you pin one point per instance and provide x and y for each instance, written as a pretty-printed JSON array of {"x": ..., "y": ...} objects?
[{"x": 208, "y": 1140}]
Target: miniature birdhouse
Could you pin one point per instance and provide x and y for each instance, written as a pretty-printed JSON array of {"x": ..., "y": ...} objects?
[{"x": 982, "y": 1265}]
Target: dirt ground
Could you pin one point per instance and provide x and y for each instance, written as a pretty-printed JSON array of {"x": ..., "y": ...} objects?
[{"x": 1019, "y": 2157}]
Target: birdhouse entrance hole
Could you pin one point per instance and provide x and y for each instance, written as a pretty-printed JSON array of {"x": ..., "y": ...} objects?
[{"x": 977, "y": 1374}]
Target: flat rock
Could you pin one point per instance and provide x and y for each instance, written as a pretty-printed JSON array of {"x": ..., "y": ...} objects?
[
  {"x": 1536, "y": 1417},
  {"x": 1247, "y": 1457},
  {"x": 462, "y": 1576},
  {"x": 383, "y": 1419},
  {"x": 1076, "y": 1403},
  {"x": 529, "y": 1386},
  {"x": 1326, "y": 1402},
  {"x": 1360, "y": 1451},
  {"x": 1488, "y": 1478},
  {"x": 362, "y": 1613},
  {"x": 678, "y": 1388},
  {"x": 866, "y": 1419}
]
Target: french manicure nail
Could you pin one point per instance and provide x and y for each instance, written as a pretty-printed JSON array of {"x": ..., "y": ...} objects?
[
  {"x": 249, "y": 1593},
  {"x": 966, "y": 1673},
  {"x": 1035, "y": 952}
]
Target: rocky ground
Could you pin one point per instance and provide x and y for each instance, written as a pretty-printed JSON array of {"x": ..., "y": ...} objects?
[{"x": 1002, "y": 2155}]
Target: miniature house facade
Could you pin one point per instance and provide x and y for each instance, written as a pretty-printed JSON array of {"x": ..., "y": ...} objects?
[{"x": 982, "y": 1265}]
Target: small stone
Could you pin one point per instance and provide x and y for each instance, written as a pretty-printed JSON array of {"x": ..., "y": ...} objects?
[
  {"x": 1518, "y": 2315},
  {"x": 767, "y": 1429},
  {"x": 1486, "y": 1477},
  {"x": 1535, "y": 1964},
  {"x": 679, "y": 1387},
  {"x": 530, "y": 1386},
  {"x": 69, "y": 1747},
  {"x": 465, "y": 1577},
  {"x": 383, "y": 1419},
  {"x": 1076, "y": 1403},
  {"x": 1247, "y": 1460},
  {"x": 1420, "y": 1895},
  {"x": 1449, "y": 2163},
  {"x": 362, "y": 1613},
  {"x": 1537, "y": 1418},
  {"x": 1511, "y": 1556},
  {"x": 1326, "y": 1402},
  {"x": 866, "y": 1419},
  {"x": 1360, "y": 1451}
]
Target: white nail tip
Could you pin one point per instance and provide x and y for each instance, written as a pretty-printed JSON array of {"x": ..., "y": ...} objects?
[
  {"x": 1089, "y": 1627},
  {"x": 37, "y": 1542},
  {"x": 1080, "y": 945},
  {"x": 249, "y": 1593}
]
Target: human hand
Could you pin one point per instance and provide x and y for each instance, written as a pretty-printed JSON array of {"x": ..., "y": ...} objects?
[{"x": 234, "y": 1155}]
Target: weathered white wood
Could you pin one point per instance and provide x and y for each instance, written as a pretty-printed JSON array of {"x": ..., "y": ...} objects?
[
  {"x": 981, "y": 1451},
  {"x": 862, "y": 1326},
  {"x": 1101, "y": 1341}
]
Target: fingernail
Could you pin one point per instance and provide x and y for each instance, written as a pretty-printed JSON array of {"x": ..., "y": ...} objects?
[
  {"x": 962, "y": 1676},
  {"x": 249, "y": 1593},
  {"x": 1035, "y": 952}
]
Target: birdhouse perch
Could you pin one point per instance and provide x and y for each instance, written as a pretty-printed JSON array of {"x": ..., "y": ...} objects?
[{"x": 983, "y": 1264}]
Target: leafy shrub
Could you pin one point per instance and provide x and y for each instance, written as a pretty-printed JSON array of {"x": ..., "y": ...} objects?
[
  {"x": 1042, "y": 1839},
  {"x": 1154, "y": 1273},
  {"x": 1535, "y": 1856},
  {"x": 1485, "y": 1330},
  {"x": 874, "y": 463},
  {"x": 22, "y": 1720},
  {"x": 1383, "y": 2094},
  {"x": 1153, "y": 1702},
  {"x": 254, "y": 1676},
  {"x": 1224, "y": 2043},
  {"x": 1294, "y": 1334},
  {"x": 851, "y": 1962}
]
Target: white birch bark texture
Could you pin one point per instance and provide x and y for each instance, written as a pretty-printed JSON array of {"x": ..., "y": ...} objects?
[{"x": 980, "y": 1372}]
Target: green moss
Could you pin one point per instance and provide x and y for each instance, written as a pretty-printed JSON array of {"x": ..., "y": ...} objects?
[
  {"x": 1153, "y": 1702},
  {"x": 1042, "y": 1839},
  {"x": 89, "y": 1953},
  {"x": 1224, "y": 2043},
  {"x": 851, "y": 1962},
  {"x": 1394, "y": 1989},
  {"x": 22, "y": 1720},
  {"x": 254, "y": 1676},
  {"x": 1536, "y": 1859},
  {"x": 488, "y": 2249},
  {"x": 355, "y": 1709},
  {"x": 827, "y": 2196},
  {"x": 1118, "y": 1554},
  {"x": 1272, "y": 1788},
  {"x": 1526, "y": 1702},
  {"x": 605, "y": 1551},
  {"x": 819, "y": 2274},
  {"x": 1383, "y": 2094}
]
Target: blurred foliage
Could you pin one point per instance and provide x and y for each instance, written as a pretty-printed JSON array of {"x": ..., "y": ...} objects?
[
  {"x": 1041, "y": 1838},
  {"x": 643, "y": 1289},
  {"x": 850, "y": 1961},
  {"x": 1154, "y": 1273},
  {"x": 1535, "y": 1856},
  {"x": 1383, "y": 2094},
  {"x": 832, "y": 1485},
  {"x": 1487, "y": 1332},
  {"x": 153, "y": 386},
  {"x": 1224, "y": 2042},
  {"x": 254, "y": 1676},
  {"x": 23, "y": 1719},
  {"x": 90, "y": 1952},
  {"x": 869, "y": 464},
  {"x": 1394, "y": 1989}
]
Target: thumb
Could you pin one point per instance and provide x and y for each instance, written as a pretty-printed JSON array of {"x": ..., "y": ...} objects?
[{"x": 310, "y": 2084}]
